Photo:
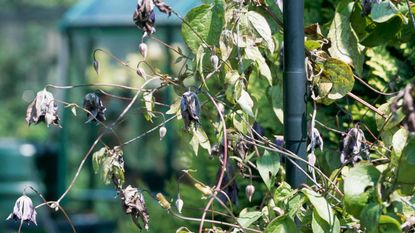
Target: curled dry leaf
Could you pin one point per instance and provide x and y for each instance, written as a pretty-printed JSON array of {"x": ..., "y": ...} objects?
[
  {"x": 23, "y": 210},
  {"x": 353, "y": 147},
  {"x": 43, "y": 108},
  {"x": 190, "y": 109},
  {"x": 134, "y": 205},
  {"x": 96, "y": 109}
]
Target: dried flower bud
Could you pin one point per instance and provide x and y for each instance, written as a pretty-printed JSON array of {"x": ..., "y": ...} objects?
[
  {"x": 162, "y": 131},
  {"x": 190, "y": 108},
  {"x": 204, "y": 189},
  {"x": 134, "y": 204},
  {"x": 143, "y": 50},
  {"x": 96, "y": 66},
  {"x": 249, "y": 191},
  {"x": 23, "y": 210},
  {"x": 43, "y": 108},
  {"x": 96, "y": 109},
  {"x": 163, "y": 201},
  {"x": 214, "y": 60},
  {"x": 179, "y": 204},
  {"x": 140, "y": 71}
]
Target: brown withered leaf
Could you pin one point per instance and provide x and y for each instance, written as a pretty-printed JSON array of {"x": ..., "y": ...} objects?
[
  {"x": 134, "y": 205},
  {"x": 43, "y": 109}
]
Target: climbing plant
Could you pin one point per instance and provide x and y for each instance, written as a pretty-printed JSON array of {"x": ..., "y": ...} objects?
[{"x": 228, "y": 102}]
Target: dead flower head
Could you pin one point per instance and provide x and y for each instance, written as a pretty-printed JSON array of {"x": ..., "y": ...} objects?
[
  {"x": 43, "y": 108},
  {"x": 134, "y": 205},
  {"x": 144, "y": 16},
  {"x": 190, "y": 108},
  {"x": 23, "y": 210},
  {"x": 96, "y": 109},
  {"x": 353, "y": 147}
]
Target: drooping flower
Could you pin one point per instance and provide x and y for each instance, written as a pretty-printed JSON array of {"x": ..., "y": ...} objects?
[
  {"x": 353, "y": 147},
  {"x": 190, "y": 108},
  {"x": 179, "y": 204},
  {"x": 162, "y": 132},
  {"x": 43, "y": 108},
  {"x": 134, "y": 205},
  {"x": 144, "y": 16},
  {"x": 96, "y": 109},
  {"x": 23, "y": 210}
]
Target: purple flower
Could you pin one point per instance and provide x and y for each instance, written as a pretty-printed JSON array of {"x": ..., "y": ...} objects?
[
  {"x": 353, "y": 146},
  {"x": 23, "y": 210},
  {"x": 96, "y": 109},
  {"x": 190, "y": 108}
]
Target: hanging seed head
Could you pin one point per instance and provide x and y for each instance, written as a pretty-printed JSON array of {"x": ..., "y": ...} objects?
[
  {"x": 163, "y": 201},
  {"x": 162, "y": 131},
  {"x": 143, "y": 50},
  {"x": 214, "y": 60},
  {"x": 204, "y": 189},
  {"x": 249, "y": 191},
  {"x": 179, "y": 204},
  {"x": 23, "y": 210}
]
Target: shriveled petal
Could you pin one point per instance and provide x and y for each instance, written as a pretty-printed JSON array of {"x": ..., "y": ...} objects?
[{"x": 23, "y": 210}]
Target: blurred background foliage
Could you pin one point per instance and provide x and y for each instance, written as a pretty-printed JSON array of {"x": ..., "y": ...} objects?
[{"x": 29, "y": 50}]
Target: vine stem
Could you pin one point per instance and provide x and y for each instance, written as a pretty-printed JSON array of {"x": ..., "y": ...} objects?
[
  {"x": 92, "y": 85},
  {"x": 126, "y": 109},
  {"x": 371, "y": 107},
  {"x": 224, "y": 163},
  {"x": 212, "y": 221}
]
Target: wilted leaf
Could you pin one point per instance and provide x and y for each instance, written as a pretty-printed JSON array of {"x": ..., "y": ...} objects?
[
  {"x": 341, "y": 76},
  {"x": 97, "y": 158},
  {"x": 344, "y": 42},
  {"x": 261, "y": 26}
]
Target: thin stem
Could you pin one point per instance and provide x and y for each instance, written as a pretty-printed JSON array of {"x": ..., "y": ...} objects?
[
  {"x": 212, "y": 221},
  {"x": 371, "y": 107},
  {"x": 224, "y": 163},
  {"x": 67, "y": 218},
  {"x": 372, "y": 88},
  {"x": 92, "y": 85},
  {"x": 410, "y": 13}
]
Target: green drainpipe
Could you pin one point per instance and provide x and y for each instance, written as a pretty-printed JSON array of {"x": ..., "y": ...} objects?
[{"x": 295, "y": 121}]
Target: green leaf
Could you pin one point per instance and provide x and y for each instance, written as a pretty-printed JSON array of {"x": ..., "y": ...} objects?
[
  {"x": 283, "y": 224},
  {"x": 245, "y": 219},
  {"x": 277, "y": 102},
  {"x": 323, "y": 216},
  {"x": 260, "y": 24},
  {"x": 387, "y": 224},
  {"x": 383, "y": 11},
  {"x": 393, "y": 121},
  {"x": 246, "y": 103},
  {"x": 356, "y": 183},
  {"x": 369, "y": 218},
  {"x": 268, "y": 165},
  {"x": 406, "y": 167},
  {"x": 344, "y": 42},
  {"x": 253, "y": 53},
  {"x": 399, "y": 140},
  {"x": 97, "y": 158},
  {"x": 207, "y": 21},
  {"x": 383, "y": 32},
  {"x": 240, "y": 121}
]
